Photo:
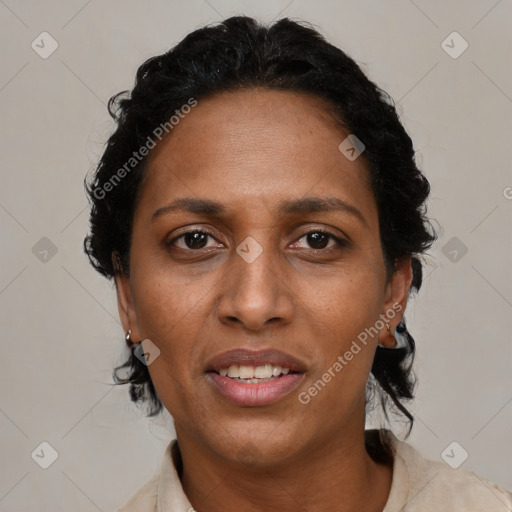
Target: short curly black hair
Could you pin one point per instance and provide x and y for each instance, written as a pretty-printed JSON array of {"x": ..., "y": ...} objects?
[{"x": 238, "y": 53}]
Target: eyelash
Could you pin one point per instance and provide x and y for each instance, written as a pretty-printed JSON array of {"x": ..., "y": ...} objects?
[{"x": 340, "y": 242}]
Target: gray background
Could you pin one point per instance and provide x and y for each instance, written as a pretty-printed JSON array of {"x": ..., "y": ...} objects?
[{"x": 60, "y": 327}]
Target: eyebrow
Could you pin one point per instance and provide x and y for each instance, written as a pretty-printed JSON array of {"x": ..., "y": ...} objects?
[{"x": 288, "y": 207}]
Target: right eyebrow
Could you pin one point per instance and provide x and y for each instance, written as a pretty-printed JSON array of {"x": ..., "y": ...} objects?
[{"x": 192, "y": 205}]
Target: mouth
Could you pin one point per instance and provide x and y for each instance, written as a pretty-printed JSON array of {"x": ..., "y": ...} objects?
[
  {"x": 248, "y": 378},
  {"x": 254, "y": 374}
]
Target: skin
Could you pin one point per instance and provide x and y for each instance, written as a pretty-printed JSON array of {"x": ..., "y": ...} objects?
[{"x": 250, "y": 150}]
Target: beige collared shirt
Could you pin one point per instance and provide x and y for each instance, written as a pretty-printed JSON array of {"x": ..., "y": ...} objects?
[{"x": 419, "y": 485}]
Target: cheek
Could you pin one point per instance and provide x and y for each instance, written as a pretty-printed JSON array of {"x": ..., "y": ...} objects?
[
  {"x": 345, "y": 349},
  {"x": 171, "y": 317},
  {"x": 347, "y": 303},
  {"x": 168, "y": 314},
  {"x": 344, "y": 313}
]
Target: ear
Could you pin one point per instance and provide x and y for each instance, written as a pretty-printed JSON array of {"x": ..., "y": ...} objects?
[
  {"x": 125, "y": 303},
  {"x": 397, "y": 292}
]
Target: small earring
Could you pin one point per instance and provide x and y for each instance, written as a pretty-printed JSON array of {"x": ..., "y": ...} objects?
[
  {"x": 388, "y": 348},
  {"x": 128, "y": 338}
]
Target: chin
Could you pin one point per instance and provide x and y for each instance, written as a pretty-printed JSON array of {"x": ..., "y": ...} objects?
[{"x": 259, "y": 442}]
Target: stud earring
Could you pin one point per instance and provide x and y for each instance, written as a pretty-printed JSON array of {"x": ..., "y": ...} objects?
[
  {"x": 389, "y": 348},
  {"x": 128, "y": 338}
]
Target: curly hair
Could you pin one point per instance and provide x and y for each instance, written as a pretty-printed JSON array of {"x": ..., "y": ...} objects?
[{"x": 241, "y": 53}]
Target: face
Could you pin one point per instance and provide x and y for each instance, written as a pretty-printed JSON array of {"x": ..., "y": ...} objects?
[{"x": 254, "y": 277}]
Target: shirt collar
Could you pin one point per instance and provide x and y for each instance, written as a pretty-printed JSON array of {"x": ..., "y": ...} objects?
[
  {"x": 400, "y": 483},
  {"x": 170, "y": 490}
]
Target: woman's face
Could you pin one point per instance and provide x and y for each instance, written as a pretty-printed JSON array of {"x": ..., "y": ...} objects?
[{"x": 268, "y": 270}]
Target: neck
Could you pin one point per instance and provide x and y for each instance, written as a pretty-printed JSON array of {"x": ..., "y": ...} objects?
[{"x": 338, "y": 475}]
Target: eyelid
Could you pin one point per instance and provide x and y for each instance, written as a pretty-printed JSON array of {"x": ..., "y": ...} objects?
[
  {"x": 192, "y": 229},
  {"x": 335, "y": 233},
  {"x": 341, "y": 241}
]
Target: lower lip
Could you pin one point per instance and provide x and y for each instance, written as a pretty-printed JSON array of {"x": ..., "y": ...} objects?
[{"x": 257, "y": 393}]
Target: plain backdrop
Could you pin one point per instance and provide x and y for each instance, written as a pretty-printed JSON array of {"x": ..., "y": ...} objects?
[{"x": 60, "y": 327}]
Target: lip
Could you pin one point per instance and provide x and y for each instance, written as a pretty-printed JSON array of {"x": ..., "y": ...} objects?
[
  {"x": 257, "y": 393},
  {"x": 254, "y": 358},
  {"x": 254, "y": 394}
]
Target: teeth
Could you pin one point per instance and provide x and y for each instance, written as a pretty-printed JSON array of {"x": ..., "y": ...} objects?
[
  {"x": 253, "y": 373},
  {"x": 233, "y": 371},
  {"x": 246, "y": 372},
  {"x": 263, "y": 372}
]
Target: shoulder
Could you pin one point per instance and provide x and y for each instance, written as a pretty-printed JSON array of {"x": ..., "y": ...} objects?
[
  {"x": 145, "y": 499},
  {"x": 435, "y": 486},
  {"x": 163, "y": 490}
]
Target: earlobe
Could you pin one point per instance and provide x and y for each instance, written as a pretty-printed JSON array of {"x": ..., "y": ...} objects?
[
  {"x": 125, "y": 303},
  {"x": 397, "y": 293}
]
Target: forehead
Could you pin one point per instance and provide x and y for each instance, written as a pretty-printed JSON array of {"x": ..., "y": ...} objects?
[
  {"x": 240, "y": 119},
  {"x": 256, "y": 144}
]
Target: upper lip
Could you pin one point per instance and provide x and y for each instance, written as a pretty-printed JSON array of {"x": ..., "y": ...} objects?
[{"x": 242, "y": 356}]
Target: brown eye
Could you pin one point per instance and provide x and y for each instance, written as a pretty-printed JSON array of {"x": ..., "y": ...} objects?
[
  {"x": 319, "y": 240},
  {"x": 196, "y": 240},
  {"x": 192, "y": 240}
]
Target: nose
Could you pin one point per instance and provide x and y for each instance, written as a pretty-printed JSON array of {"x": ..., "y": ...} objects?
[{"x": 255, "y": 294}]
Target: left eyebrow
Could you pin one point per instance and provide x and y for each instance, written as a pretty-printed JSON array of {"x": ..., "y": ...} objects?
[
  {"x": 320, "y": 204},
  {"x": 288, "y": 207}
]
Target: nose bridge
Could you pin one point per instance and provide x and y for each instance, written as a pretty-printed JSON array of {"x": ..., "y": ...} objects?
[
  {"x": 255, "y": 290},
  {"x": 255, "y": 267}
]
